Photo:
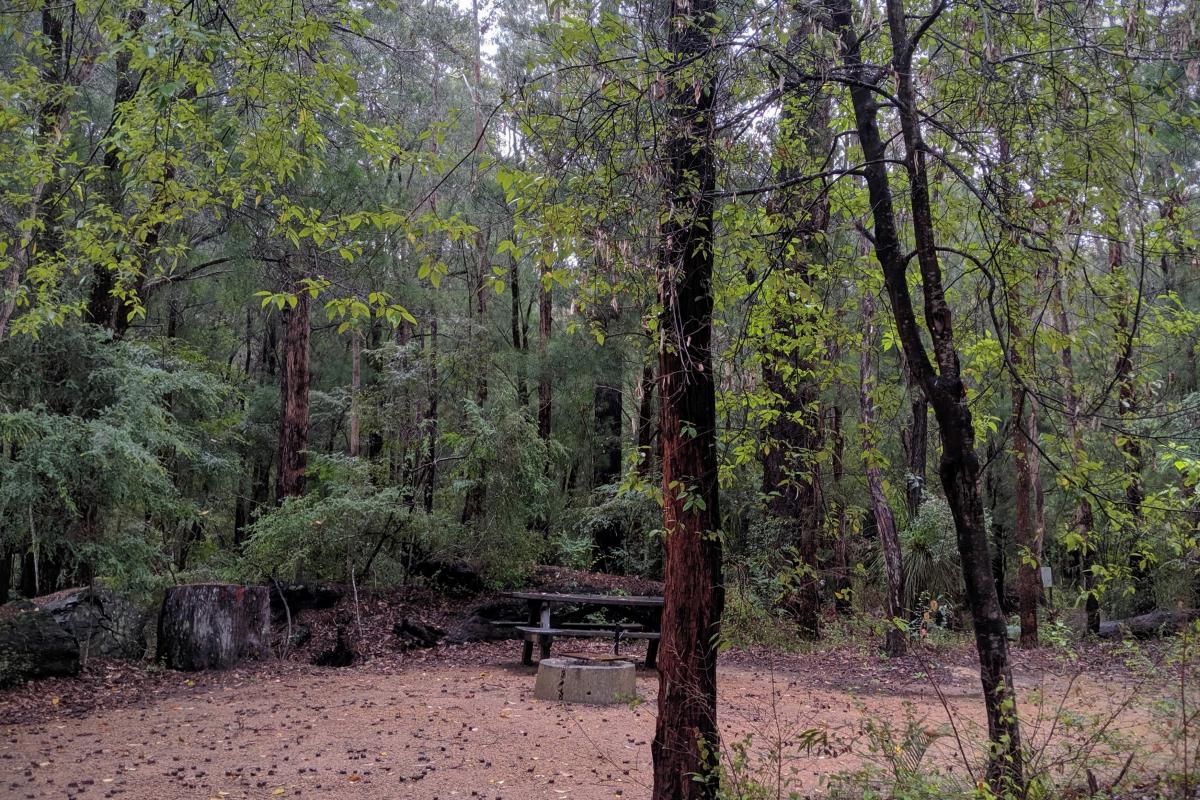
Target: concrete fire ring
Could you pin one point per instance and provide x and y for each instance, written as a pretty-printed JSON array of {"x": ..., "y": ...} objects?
[{"x": 573, "y": 680}]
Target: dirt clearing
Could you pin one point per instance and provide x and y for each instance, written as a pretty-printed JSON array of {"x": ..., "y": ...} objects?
[{"x": 463, "y": 723}]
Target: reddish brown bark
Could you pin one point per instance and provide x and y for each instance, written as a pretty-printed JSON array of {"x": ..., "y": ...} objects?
[
  {"x": 294, "y": 385},
  {"x": 686, "y": 738}
]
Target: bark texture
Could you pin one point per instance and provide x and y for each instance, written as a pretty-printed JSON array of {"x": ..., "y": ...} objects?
[
  {"x": 1082, "y": 521},
  {"x": 213, "y": 625},
  {"x": 294, "y": 384},
  {"x": 686, "y": 739}
]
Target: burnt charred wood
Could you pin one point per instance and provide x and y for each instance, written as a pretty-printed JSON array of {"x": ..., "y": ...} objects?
[
  {"x": 33, "y": 645},
  {"x": 417, "y": 634},
  {"x": 341, "y": 655}
]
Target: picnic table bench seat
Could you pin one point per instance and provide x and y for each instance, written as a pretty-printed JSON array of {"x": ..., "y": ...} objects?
[{"x": 544, "y": 637}]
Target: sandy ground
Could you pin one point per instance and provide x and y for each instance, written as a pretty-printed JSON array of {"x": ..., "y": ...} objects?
[{"x": 446, "y": 729}]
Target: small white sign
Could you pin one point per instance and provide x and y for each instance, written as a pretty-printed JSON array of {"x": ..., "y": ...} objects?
[{"x": 1047, "y": 577}]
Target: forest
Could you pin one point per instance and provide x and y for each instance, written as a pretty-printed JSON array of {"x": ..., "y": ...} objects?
[{"x": 861, "y": 332}]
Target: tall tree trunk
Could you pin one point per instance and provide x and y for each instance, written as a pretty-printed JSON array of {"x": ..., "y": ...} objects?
[
  {"x": 294, "y": 384},
  {"x": 431, "y": 421},
  {"x": 943, "y": 386},
  {"x": 102, "y": 306},
  {"x": 545, "y": 387},
  {"x": 355, "y": 388},
  {"x": 1083, "y": 512},
  {"x": 794, "y": 435},
  {"x": 1128, "y": 442},
  {"x": 841, "y": 545},
  {"x": 916, "y": 445},
  {"x": 1028, "y": 577},
  {"x": 686, "y": 739},
  {"x": 520, "y": 342},
  {"x": 885, "y": 521}
]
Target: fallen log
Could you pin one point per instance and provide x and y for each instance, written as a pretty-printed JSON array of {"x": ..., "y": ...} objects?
[
  {"x": 1160, "y": 622},
  {"x": 213, "y": 625},
  {"x": 417, "y": 634}
]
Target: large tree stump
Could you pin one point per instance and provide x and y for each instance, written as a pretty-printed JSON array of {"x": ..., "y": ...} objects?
[
  {"x": 33, "y": 645},
  {"x": 213, "y": 625}
]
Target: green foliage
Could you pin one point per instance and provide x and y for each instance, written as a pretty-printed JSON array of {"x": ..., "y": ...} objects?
[
  {"x": 631, "y": 519},
  {"x": 334, "y": 530},
  {"x": 930, "y": 553},
  {"x": 103, "y": 468},
  {"x": 505, "y": 460}
]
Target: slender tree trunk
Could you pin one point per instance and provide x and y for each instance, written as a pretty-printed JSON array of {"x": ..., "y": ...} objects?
[
  {"x": 842, "y": 586},
  {"x": 519, "y": 342},
  {"x": 686, "y": 739},
  {"x": 293, "y": 435},
  {"x": 355, "y": 388},
  {"x": 943, "y": 386},
  {"x": 1028, "y": 577},
  {"x": 795, "y": 436},
  {"x": 914, "y": 437},
  {"x": 431, "y": 420},
  {"x": 645, "y": 421},
  {"x": 916, "y": 441},
  {"x": 885, "y": 521},
  {"x": 102, "y": 306},
  {"x": 545, "y": 388},
  {"x": 1129, "y": 444},
  {"x": 1083, "y": 512}
]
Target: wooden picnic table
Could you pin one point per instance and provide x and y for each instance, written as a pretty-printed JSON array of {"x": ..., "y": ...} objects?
[{"x": 542, "y": 628}]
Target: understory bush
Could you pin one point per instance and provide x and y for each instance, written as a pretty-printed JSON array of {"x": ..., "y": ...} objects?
[{"x": 621, "y": 533}]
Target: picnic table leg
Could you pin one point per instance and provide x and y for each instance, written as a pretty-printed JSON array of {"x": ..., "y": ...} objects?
[
  {"x": 527, "y": 650},
  {"x": 544, "y": 641},
  {"x": 652, "y": 654}
]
